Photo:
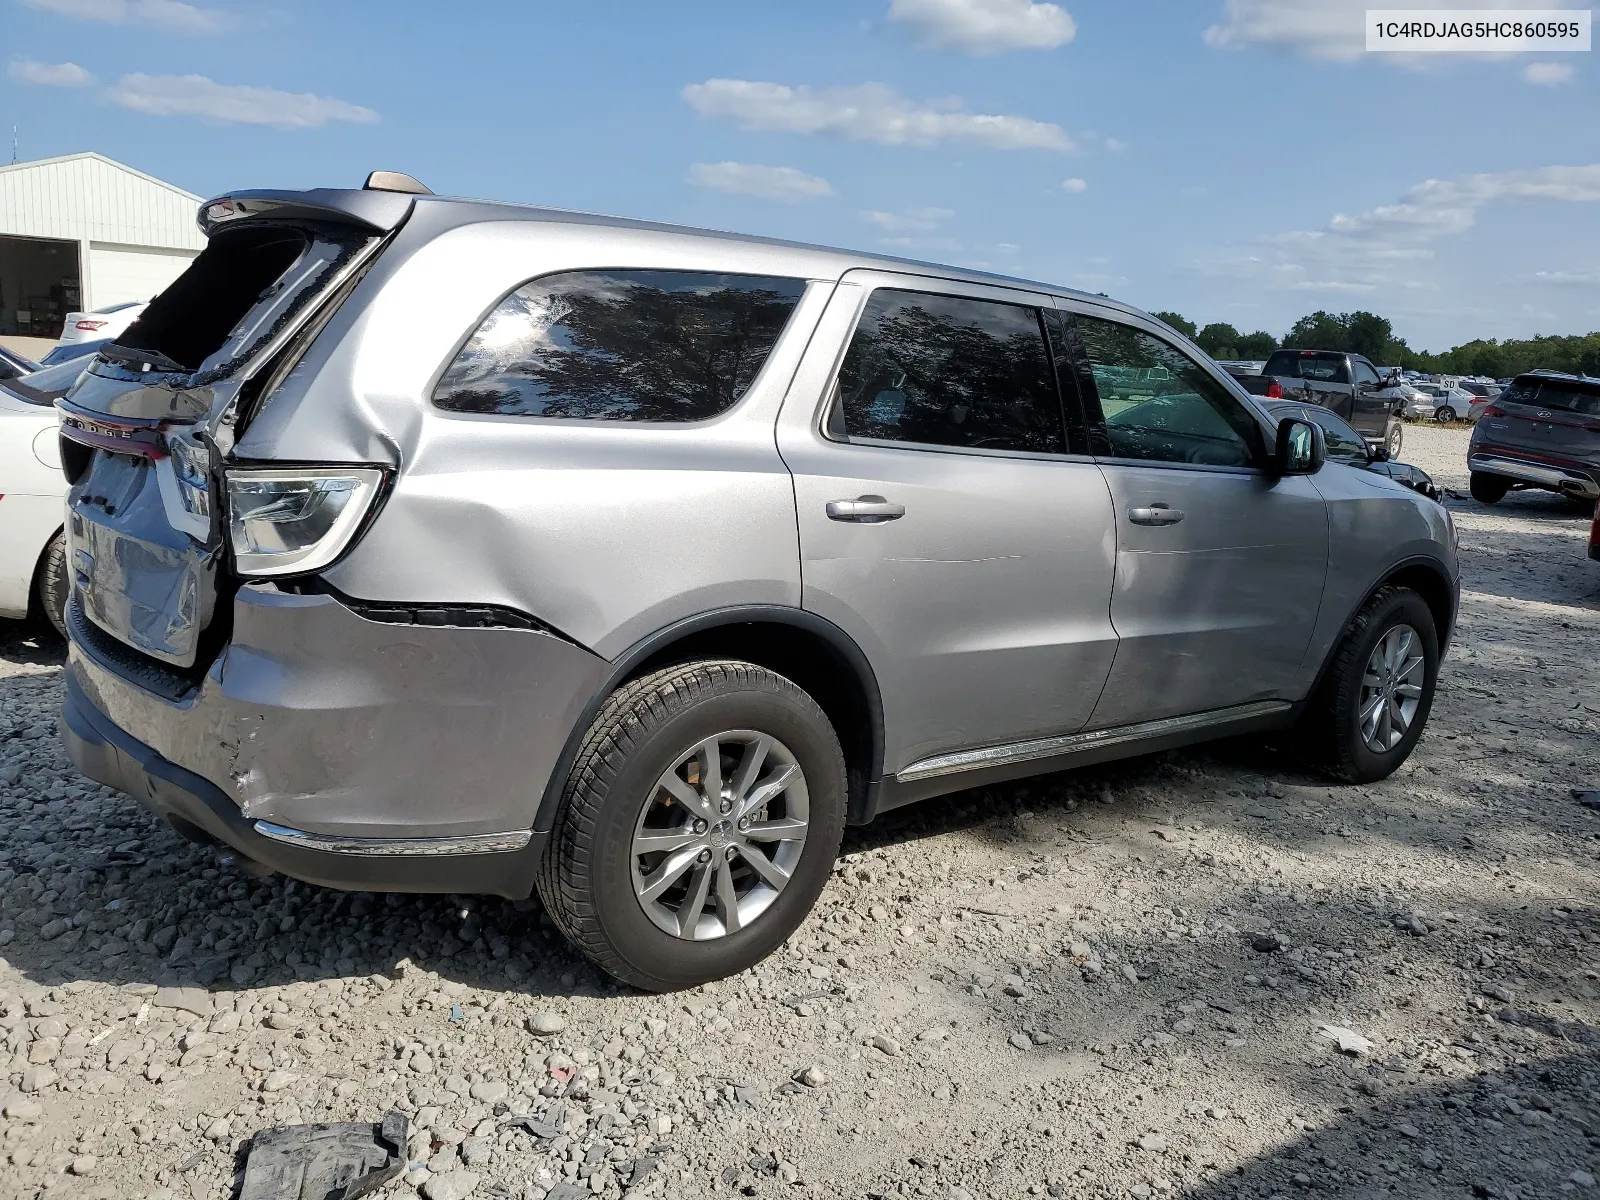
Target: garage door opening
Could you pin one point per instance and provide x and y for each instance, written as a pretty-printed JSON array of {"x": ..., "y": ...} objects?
[{"x": 40, "y": 283}]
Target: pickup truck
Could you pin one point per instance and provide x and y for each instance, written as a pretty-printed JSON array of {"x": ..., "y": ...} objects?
[{"x": 1346, "y": 383}]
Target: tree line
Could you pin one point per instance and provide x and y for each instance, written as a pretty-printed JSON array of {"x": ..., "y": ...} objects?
[{"x": 1373, "y": 336}]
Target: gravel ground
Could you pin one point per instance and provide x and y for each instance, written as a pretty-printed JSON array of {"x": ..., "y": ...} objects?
[{"x": 1204, "y": 974}]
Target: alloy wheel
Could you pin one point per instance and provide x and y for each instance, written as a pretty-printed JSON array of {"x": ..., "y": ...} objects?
[
  {"x": 1391, "y": 688},
  {"x": 720, "y": 835}
]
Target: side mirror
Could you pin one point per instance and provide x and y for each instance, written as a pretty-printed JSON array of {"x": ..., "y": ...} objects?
[
  {"x": 1301, "y": 449},
  {"x": 1381, "y": 454}
]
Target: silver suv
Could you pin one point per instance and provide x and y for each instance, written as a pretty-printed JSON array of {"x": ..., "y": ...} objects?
[{"x": 423, "y": 544}]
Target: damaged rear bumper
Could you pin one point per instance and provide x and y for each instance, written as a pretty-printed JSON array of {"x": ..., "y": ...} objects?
[
  {"x": 200, "y": 810},
  {"x": 342, "y": 750}
]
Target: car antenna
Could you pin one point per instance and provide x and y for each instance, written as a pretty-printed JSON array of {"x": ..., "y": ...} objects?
[{"x": 395, "y": 181}]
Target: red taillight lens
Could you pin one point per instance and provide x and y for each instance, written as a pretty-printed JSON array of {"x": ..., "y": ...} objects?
[
  {"x": 1274, "y": 391},
  {"x": 1492, "y": 411},
  {"x": 91, "y": 326}
]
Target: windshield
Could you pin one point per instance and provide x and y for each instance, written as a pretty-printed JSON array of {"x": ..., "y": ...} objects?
[
  {"x": 1569, "y": 395},
  {"x": 1319, "y": 366}
]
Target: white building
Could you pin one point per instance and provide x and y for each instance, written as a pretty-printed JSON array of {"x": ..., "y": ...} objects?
[{"x": 83, "y": 232}]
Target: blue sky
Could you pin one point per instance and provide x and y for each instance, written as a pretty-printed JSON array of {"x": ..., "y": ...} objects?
[{"x": 1235, "y": 160}]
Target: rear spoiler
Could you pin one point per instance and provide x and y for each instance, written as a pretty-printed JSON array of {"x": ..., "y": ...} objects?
[{"x": 378, "y": 211}]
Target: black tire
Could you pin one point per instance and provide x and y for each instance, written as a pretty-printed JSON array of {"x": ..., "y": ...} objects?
[
  {"x": 1331, "y": 726},
  {"x": 586, "y": 876},
  {"x": 1394, "y": 436},
  {"x": 51, "y": 587},
  {"x": 1488, "y": 489},
  {"x": 1444, "y": 414}
]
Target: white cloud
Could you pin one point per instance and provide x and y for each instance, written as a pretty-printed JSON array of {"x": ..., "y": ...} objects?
[
  {"x": 984, "y": 27},
  {"x": 40, "y": 74},
  {"x": 867, "y": 112},
  {"x": 1590, "y": 278},
  {"x": 1549, "y": 74},
  {"x": 1115, "y": 146},
  {"x": 1074, "y": 185},
  {"x": 1326, "y": 29},
  {"x": 769, "y": 183},
  {"x": 197, "y": 96},
  {"x": 909, "y": 219},
  {"x": 164, "y": 14},
  {"x": 1391, "y": 246}
]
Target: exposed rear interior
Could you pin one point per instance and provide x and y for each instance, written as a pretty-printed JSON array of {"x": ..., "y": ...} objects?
[{"x": 192, "y": 319}]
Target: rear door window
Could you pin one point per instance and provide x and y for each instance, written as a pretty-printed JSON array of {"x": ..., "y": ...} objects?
[
  {"x": 1344, "y": 443},
  {"x": 667, "y": 346},
  {"x": 939, "y": 370}
]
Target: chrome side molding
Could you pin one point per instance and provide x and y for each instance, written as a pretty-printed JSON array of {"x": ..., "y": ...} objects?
[
  {"x": 1073, "y": 743},
  {"x": 473, "y": 843}
]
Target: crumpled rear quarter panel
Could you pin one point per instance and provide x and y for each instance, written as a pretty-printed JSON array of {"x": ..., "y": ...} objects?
[{"x": 319, "y": 719}]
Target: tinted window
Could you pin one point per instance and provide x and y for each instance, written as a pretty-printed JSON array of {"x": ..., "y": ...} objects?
[
  {"x": 1344, "y": 444},
  {"x": 621, "y": 346},
  {"x": 1308, "y": 364},
  {"x": 1553, "y": 394},
  {"x": 1364, "y": 373},
  {"x": 948, "y": 371},
  {"x": 1160, "y": 404}
]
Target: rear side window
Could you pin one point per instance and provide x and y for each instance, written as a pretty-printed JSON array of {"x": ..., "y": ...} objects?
[
  {"x": 621, "y": 346},
  {"x": 1295, "y": 364},
  {"x": 949, "y": 371}
]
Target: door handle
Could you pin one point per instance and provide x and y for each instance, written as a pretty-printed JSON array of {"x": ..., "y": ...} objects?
[
  {"x": 867, "y": 510},
  {"x": 1155, "y": 514}
]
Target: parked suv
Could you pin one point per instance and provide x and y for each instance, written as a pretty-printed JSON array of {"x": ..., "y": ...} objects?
[
  {"x": 1541, "y": 432},
  {"x": 432, "y": 545}
]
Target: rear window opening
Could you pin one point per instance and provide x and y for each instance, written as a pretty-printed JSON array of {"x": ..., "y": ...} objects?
[
  {"x": 249, "y": 282},
  {"x": 191, "y": 320},
  {"x": 1319, "y": 366}
]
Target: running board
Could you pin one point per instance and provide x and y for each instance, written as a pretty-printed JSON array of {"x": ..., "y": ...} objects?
[{"x": 1073, "y": 743}]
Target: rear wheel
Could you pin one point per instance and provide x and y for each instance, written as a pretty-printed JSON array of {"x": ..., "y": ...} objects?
[
  {"x": 1488, "y": 489},
  {"x": 698, "y": 826},
  {"x": 1374, "y": 701},
  {"x": 1444, "y": 414},
  {"x": 50, "y": 584}
]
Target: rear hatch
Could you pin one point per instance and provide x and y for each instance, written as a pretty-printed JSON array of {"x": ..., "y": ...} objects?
[
  {"x": 1546, "y": 418},
  {"x": 147, "y": 428}
]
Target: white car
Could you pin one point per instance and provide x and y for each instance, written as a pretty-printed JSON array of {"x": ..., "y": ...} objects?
[
  {"x": 33, "y": 568},
  {"x": 1439, "y": 403},
  {"x": 102, "y": 323}
]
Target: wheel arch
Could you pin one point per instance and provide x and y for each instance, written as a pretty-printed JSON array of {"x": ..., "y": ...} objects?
[
  {"x": 1428, "y": 579},
  {"x": 809, "y": 650}
]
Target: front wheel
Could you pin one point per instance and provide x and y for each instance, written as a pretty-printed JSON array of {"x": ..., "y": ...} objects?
[
  {"x": 698, "y": 826},
  {"x": 51, "y": 585},
  {"x": 1394, "y": 437},
  {"x": 1373, "y": 703},
  {"x": 1444, "y": 414}
]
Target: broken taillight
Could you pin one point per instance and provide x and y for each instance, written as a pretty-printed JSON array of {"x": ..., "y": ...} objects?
[{"x": 1274, "y": 390}]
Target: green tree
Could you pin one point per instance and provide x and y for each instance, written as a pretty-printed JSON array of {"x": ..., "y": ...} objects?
[
  {"x": 1319, "y": 331},
  {"x": 1257, "y": 345},
  {"x": 1181, "y": 323},
  {"x": 1219, "y": 340}
]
